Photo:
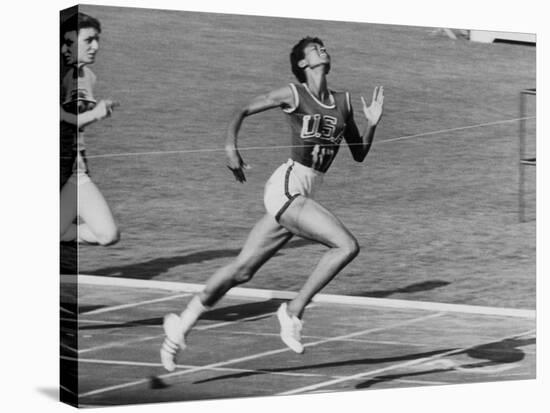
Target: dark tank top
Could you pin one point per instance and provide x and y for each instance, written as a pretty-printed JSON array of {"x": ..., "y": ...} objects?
[{"x": 316, "y": 128}]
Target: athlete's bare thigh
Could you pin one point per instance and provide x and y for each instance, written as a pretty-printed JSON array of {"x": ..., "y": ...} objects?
[
  {"x": 307, "y": 218},
  {"x": 264, "y": 240}
]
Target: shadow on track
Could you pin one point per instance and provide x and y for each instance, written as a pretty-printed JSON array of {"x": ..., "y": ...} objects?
[
  {"x": 409, "y": 289},
  {"x": 493, "y": 354},
  {"x": 150, "y": 269},
  {"x": 496, "y": 353},
  {"x": 354, "y": 362},
  {"x": 222, "y": 314}
]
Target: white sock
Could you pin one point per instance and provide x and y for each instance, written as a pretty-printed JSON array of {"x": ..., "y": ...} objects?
[{"x": 191, "y": 314}]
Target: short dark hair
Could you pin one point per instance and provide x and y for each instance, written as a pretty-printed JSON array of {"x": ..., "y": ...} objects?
[
  {"x": 78, "y": 21},
  {"x": 298, "y": 54}
]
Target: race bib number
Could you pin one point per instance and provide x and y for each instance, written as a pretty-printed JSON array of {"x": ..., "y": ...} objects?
[{"x": 321, "y": 157}]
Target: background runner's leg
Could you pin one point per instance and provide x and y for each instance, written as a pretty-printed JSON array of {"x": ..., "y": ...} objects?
[
  {"x": 68, "y": 208},
  {"x": 97, "y": 215}
]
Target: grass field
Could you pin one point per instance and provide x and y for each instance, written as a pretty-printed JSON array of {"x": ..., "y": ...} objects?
[{"x": 434, "y": 206}]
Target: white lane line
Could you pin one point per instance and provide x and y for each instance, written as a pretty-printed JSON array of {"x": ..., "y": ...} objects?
[
  {"x": 474, "y": 368},
  {"x": 130, "y": 305},
  {"x": 61, "y": 387},
  {"x": 187, "y": 366},
  {"x": 254, "y": 356},
  {"x": 119, "y": 344},
  {"x": 392, "y": 367},
  {"x": 319, "y": 298},
  {"x": 521, "y": 374},
  {"x": 64, "y": 310},
  {"x": 252, "y": 333},
  {"x": 263, "y": 148},
  {"x": 350, "y": 340},
  {"x": 422, "y": 382},
  {"x": 95, "y": 321},
  {"x": 487, "y": 369},
  {"x": 373, "y": 330},
  {"x": 65, "y": 346},
  {"x": 199, "y": 328}
]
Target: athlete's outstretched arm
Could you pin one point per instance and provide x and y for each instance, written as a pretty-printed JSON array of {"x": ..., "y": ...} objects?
[
  {"x": 103, "y": 109},
  {"x": 360, "y": 144},
  {"x": 274, "y": 99}
]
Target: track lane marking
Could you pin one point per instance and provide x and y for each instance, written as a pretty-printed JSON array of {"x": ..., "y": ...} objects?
[
  {"x": 197, "y": 328},
  {"x": 239, "y": 292},
  {"x": 409, "y": 363},
  {"x": 255, "y": 356},
  {"x": 222, "y": 369},
  {"x": 249, "y": 333},
  {"x": 130, "y": 305}
]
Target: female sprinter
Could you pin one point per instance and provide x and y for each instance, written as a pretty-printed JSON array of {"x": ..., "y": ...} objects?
[
  {"x": 79, "y": 195},
  {"x": 319, "y": 118}
]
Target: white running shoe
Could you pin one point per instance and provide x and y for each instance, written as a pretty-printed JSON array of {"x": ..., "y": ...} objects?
[
  {"x": 173, "y": 343},
  {"x": 291, "y": 328}
]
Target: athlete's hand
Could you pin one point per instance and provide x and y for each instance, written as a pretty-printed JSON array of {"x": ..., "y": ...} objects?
[
  {"x": 373, "y": 113},
  {"x": 110, "y": 105},
  {"x": 104, "y": 108},
  {"x": 236, "y": 164}
]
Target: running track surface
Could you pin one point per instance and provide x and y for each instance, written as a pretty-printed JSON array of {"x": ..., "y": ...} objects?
[{"x": 235, "y": 350}]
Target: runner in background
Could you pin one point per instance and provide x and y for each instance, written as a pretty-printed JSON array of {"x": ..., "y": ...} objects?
[{"x": 80, "y": 197}]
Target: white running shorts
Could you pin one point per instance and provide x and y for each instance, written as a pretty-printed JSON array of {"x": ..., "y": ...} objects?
[{"x": 289, "y": 181}]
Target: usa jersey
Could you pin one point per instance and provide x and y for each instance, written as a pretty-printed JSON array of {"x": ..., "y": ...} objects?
[{"x": 317, "y": 128}]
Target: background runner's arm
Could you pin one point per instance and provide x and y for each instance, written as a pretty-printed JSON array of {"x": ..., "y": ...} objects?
[{"x": 103, "y": 109}]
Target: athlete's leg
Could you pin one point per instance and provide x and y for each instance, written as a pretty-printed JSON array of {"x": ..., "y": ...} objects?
[
  {"x": 309, "y": 219},
  {"x": 265, "y": 239},
  {"x": 99, "y": 224},
  {"x": 70, "y": 231},
  {"x": 68, "y": 211}
]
